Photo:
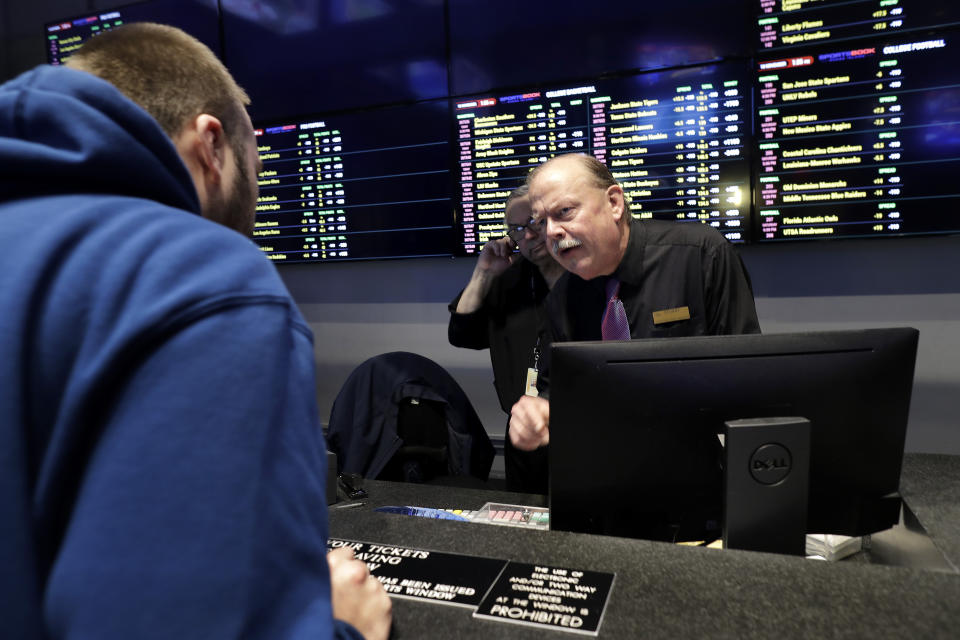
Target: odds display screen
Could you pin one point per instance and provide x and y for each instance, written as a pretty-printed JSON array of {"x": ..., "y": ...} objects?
[
  {"x": 675, "y": 140},
  {"x": 199, "y": 18},
  {"x": 354, "y": 186},
  {"x": 771, "y": 121},
  {"x": 66, "y": 36},
  {"x": 801, "y": 23},
  {"x": 860, "y": 137}
]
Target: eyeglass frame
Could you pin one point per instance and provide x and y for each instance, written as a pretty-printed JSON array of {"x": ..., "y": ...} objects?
[{"x": 516, "y": 232}]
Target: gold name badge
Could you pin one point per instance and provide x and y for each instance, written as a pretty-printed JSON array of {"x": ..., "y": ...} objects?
[{"x": 671, "y": 315}]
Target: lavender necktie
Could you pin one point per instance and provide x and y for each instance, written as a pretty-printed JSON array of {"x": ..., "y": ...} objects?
[{"x": 614, "y": 325}]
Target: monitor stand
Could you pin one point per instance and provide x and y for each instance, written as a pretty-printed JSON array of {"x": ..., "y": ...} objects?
[{"x": 906, "y": 544}]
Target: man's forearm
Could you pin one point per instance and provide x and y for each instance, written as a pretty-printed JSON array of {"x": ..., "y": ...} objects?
[{"x": 475, "y": 291}]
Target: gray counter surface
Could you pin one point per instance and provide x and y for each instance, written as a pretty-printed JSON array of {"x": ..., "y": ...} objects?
[{"x": 668, "y": 591}]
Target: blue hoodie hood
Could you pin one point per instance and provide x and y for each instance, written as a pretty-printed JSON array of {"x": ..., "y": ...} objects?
[{"x": 60, "y": 130}]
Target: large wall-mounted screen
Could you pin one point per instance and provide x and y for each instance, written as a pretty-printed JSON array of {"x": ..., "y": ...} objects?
[
  {"x": 356, "y": 185},
  {"x": 785, "y": 24},
  {"x": 772, "y": 120},
  {"x": 858, "y": 121},
  {"x": 199, "y": 18},
  {"x": 676, "y": 140}
]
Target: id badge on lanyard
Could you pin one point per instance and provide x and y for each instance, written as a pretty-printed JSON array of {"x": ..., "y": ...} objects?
[{"x": 531, "y": 386}]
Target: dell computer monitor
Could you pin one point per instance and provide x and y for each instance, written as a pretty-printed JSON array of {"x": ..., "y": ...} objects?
[{"x": 633, "y": 426}]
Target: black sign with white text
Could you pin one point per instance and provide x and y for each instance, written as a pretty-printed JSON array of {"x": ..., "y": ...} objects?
[
  {"x": 446, "y": 578},
  {"x": 536, "y": 595},
  {"x": 554, "y": 597}
]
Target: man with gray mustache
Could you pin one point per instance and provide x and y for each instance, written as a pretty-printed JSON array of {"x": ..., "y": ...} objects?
[{"x": 674, "y": 279}]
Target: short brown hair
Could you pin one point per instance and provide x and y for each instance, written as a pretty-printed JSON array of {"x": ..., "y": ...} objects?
[{"x": 169, "y": 73}]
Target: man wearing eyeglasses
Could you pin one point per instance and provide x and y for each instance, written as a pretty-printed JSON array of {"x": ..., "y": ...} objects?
[{"x": 501, "y": 309}]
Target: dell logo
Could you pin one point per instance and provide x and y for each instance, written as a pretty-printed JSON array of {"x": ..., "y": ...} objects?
[{"x": 770, "y": 463}]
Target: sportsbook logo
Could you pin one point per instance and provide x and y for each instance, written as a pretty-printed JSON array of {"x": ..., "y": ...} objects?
[{"x": 770, "y": 463}]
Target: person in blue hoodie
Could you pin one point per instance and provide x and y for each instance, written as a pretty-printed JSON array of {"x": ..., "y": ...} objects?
[{"x": 161, "y": 459}]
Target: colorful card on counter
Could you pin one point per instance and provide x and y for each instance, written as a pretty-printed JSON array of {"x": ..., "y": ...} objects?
[
  {"x": 445, "y": 578},
  {"x": 513, "y": 515},
  {"x": 552, "y": 597}
]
